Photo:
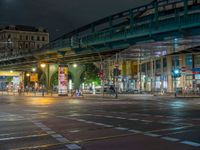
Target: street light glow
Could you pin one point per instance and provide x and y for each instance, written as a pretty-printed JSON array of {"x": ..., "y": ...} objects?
[
  {"x": 34, "y": 69},
  {"x": 28, "y": 75},
  {"x": 11, "y": 71},
  {"x": 75, "y": 65},
  {"x": 43, "y": 65},
  {"x": 176, "y": 71}
]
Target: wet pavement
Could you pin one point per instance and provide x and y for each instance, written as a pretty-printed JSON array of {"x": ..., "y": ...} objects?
[{"x": 141, "y": 123}]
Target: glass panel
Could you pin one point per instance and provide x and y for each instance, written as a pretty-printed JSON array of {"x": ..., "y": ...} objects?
[
  {"x": 197, "y": 61},
  {"x": 158, "y": 64},
  {"x": 149, "y": 66},
  {"x": 143, "y": 68},
  {"x": 188, "y": 60},
  {"x": 175, "y": 61},
  {"x": 164, "y": 62}
]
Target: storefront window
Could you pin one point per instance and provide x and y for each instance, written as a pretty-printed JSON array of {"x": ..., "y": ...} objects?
[
  {"x": 158, "y": 82},
  {"x": 188, "y": 81},
  {"x": 158, "y": 64},
  {"x": 197, "y": 61},
  {"x": 144, "y": 68},
  {"x": 164, "y": 62},
  {"x": 188, "y": 60},
  {"x": 197, "y": 77},
  {"x": 175, "y": 61},
  {"x": 149, "y": 66}
]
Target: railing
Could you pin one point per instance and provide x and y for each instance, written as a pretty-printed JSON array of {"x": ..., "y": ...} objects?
[{"x": 171, "y": 15}]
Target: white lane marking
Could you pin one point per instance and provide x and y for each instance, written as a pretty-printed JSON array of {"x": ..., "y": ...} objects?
[
  {"x": 50, "y": 132},
  {"x": 22, "y": 137},
  {"x": 57, "y": 136},
  {"x": 148, "y": 121},
  {"x": 62, "y": 140},
  {"x": 81, "y": 120},
  {"x": 120, "y": 128},
  {"x": 135, "y": 131},
  {"x": 109, "y": 116},
  {"x": 152, "y": 135},
  {"x": 120, "y": 118},
  {"x": 170, "y": 139},
  {"x": 100, "y": 124},
  {"x": 89, "y": 122},
  {"x": 133, "y": 119},
  {"x": 107, "y": 125},
  {"x": 73, "y": 146},
  {"x": 191, "y": 143},
  {"x": 46, "y": 129},
  {"x": 74, "y": 131},
  {"x": 166, "y": 122}
]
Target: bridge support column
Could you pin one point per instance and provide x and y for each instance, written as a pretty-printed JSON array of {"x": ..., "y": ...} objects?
[
  {"x": 76, "y": 72},
  {"x": 49, "y": 70}
]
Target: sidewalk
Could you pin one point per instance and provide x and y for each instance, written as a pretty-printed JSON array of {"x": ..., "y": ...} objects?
[
  {"x": 120, "y": 96},
  {"x": 100, "y": 96}
]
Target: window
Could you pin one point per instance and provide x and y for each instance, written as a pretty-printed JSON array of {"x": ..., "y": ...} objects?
[
  {"x": 143, "y": 68},
  {"x": 43, "y": 38},
  {"x": 20, "y": 37},
  {"x": 38, "y": 46},
  {"x": 158, "y": 64},
  {"x": 188, "y": 60},
  {"x": 164, "y": 62},
  {"x": 26, "y": 37},
  {"x": 32, "y": 38},
  {"x": 175, "y": 61},
  {"x": 149, "y": 66},
  {"x": 38, "y": 38},
  {"x": 197, "y": 60},
  {"x": 20, "y": 46}
]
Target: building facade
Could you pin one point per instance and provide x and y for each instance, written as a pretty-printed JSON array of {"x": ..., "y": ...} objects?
[
  {"x": 155, "y": 74},
  {"x": 19, "y": 37}
]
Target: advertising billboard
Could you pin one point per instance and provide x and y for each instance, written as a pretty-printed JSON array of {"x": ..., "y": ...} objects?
[
  {"x": 62, "y": 80},
  {"x": 34, "y": 77}
]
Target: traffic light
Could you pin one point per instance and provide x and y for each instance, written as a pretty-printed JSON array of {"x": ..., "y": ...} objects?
[
  {"x": 116, "y": 72},
  {"x": 176, "y": 73},
  {"x": 101, "y": 75}
]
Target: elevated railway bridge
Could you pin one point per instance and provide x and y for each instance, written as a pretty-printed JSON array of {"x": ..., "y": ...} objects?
[{"x": 162, "y": 25}]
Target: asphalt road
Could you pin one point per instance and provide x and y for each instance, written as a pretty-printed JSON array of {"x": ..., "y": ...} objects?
[{"x": 142, "y": 123}]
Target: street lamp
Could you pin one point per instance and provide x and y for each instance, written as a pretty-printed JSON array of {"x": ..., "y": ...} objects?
[
  {"x": 11, "y": 71},
  {"x": 43, "y": 65},
  {"x": 34, "y": 69},
  {"x": 28, "y": 74},
  {"x": 75, "y": 65}
]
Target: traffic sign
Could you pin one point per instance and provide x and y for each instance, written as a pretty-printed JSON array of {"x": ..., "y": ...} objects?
[{"x": 195, "y": 69}]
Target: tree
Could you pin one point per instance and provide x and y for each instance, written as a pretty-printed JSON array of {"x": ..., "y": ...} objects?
[
  {"x": 54, "y": 79},
  {"x": 90, "y": 74},
  {"x": 9, "y": 79}
]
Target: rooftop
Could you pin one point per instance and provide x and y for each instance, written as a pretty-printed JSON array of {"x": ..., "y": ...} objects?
[{"x": 24, "y": 28}]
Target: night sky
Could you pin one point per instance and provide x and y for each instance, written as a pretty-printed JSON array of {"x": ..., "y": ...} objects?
[{"x": 60, "y": 16}]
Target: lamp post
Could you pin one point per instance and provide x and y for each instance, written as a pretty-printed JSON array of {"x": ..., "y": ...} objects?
[
  {"x": 35, "y": 80},
  {"x": 28, "y": 83},
  {"x": 43, "y": 66}
]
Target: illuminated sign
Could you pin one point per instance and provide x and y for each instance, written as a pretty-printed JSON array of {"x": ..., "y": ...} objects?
[
  {"x": 34, "y": 77},
  {"x": 62, "y": 80}
]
